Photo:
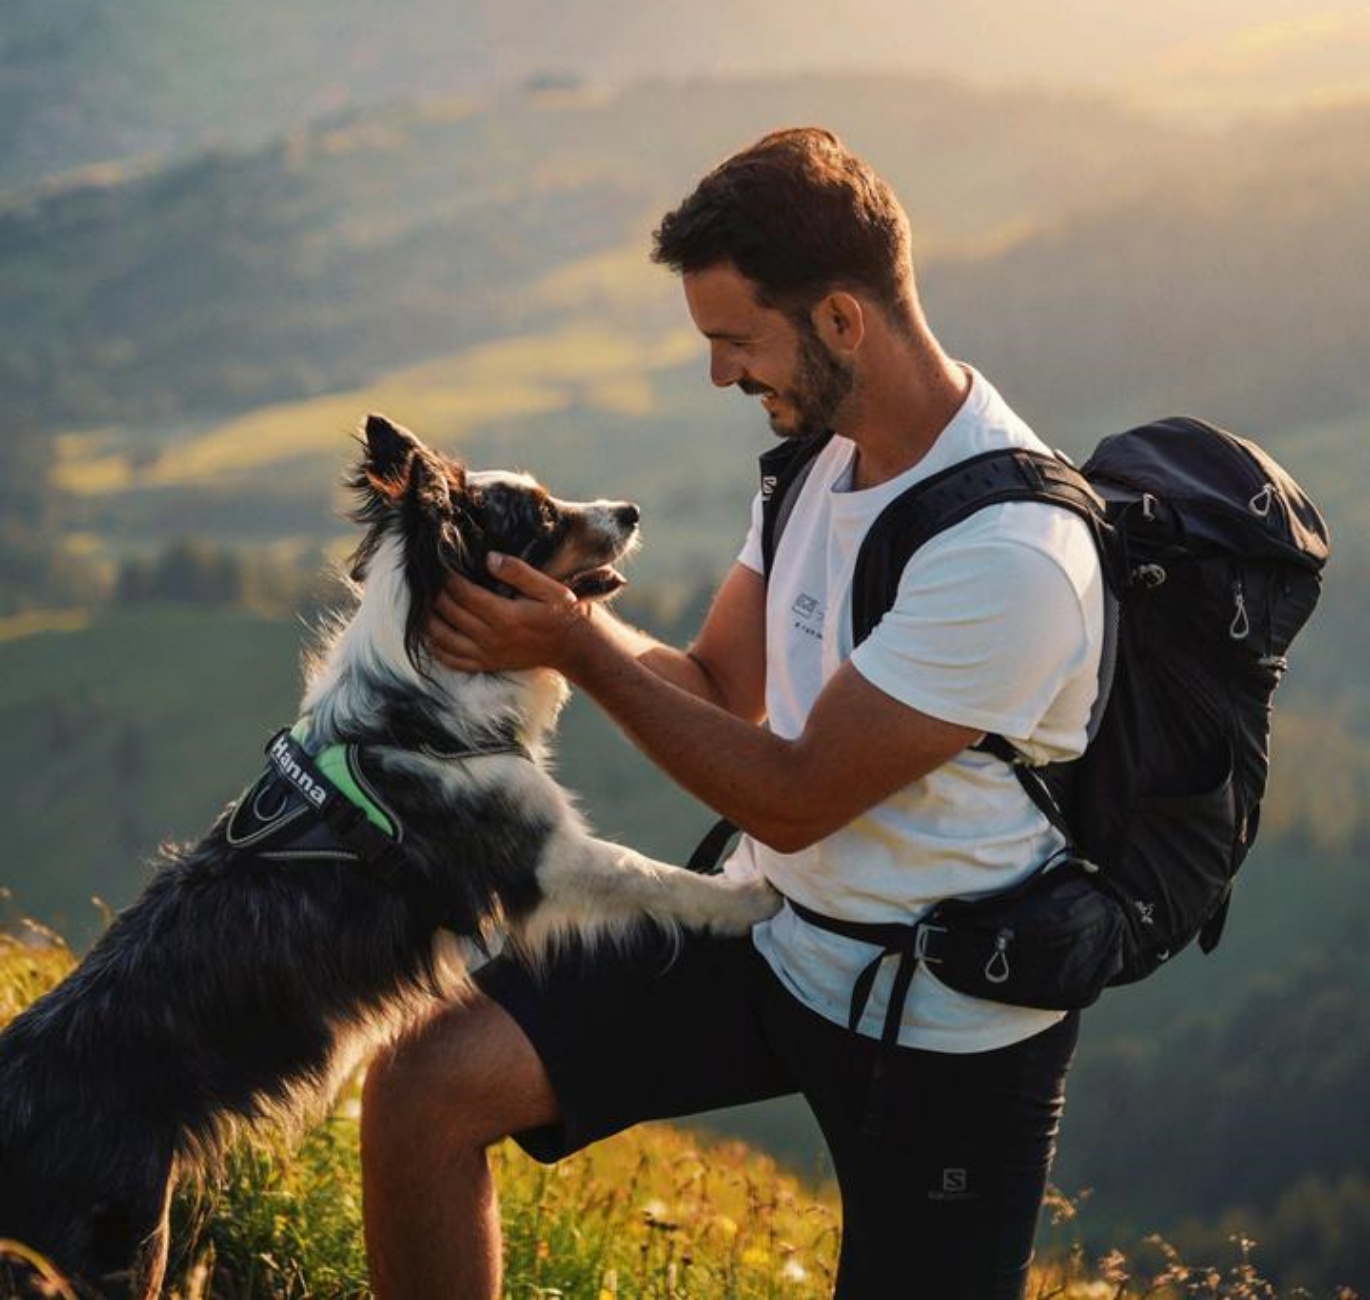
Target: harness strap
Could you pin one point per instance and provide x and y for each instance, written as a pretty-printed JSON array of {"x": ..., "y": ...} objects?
[
  {"x": 359, "y": 824},
  {"x": 911, "y": 943},
  {"x": 708, "y": 854},
  {"x": 332, "y": 785}
]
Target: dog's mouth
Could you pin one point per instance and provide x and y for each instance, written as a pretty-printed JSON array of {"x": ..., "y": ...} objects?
[
  {"x": 596, "y": 583},
  {"x": 597, "y": 538}
]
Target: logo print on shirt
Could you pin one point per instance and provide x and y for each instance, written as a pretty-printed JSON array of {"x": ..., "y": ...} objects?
[{"x": 809, "y": 613}]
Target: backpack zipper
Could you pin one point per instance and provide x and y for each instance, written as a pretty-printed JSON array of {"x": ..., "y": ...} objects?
[{"x": 1240, "y": 627}]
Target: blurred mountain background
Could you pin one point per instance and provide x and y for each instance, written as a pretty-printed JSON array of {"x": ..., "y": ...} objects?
[{"x": 226, "y": 232}]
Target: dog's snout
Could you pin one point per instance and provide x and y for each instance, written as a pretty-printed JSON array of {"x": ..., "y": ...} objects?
[{"x": 627, "y": 514}]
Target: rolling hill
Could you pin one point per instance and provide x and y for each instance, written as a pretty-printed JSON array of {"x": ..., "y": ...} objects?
[
  {"x": 1095, "y": 262},
  {"x": 477, "y": 268},
  {"x": 83, "y": 82},
  {"x": 236, "y": 278}
]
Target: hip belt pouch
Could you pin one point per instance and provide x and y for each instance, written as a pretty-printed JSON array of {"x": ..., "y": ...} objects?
[{"x": 1054, "y": 942}]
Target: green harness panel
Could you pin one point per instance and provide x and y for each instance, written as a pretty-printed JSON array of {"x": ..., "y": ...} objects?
[
  {"x": 339, "y": 764},
  {"x": 336, "y": 763}
]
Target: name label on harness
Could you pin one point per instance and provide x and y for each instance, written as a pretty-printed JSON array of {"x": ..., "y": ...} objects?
[{"x": 285, "y": 764}]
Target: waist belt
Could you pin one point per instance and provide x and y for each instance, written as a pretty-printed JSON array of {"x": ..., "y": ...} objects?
[{"x": 912, "y": 942}]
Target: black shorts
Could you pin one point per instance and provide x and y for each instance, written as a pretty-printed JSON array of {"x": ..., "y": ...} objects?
[{"x": 943, "y": 1200}]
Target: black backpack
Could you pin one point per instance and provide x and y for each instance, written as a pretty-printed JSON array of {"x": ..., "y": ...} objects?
[{"x": 1212, "y": 556}]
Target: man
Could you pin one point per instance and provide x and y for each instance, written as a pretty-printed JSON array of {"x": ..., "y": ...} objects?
[{"x": 860, "y": 799}]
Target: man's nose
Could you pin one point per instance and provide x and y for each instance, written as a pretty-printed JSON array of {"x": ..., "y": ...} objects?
[{"x": 723, "y": 371}]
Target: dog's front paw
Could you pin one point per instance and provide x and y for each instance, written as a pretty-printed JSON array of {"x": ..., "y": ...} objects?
[{"x": 743, "y": 904}]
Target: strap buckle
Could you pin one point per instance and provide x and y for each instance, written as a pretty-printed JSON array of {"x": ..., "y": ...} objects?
[{"x": 922, "y": 941}]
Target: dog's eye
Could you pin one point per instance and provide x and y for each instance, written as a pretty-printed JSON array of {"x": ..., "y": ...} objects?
[{"x": 547, "y": 514}]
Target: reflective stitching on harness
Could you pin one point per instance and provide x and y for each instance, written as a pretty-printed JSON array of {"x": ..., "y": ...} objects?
[{"x": 326, "y": 807}]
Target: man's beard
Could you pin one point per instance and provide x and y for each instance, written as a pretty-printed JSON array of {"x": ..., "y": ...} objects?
[{"x": 822, "y": 383}]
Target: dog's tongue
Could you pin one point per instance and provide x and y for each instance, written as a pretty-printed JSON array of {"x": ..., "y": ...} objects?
[{"x": 590, "y": 584}]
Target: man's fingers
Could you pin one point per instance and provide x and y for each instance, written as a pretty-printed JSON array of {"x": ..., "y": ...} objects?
[
  {"x": 452, "y": 649},
  {"x": 462, "y": 594},
  {"x": 473, "y": 629},
  {"x": 455, "y": 609},
  {"x": 528, "y": 581}
]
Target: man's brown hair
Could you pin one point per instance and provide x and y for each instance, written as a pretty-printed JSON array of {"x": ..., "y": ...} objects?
[{"x": 799, "y": 215}]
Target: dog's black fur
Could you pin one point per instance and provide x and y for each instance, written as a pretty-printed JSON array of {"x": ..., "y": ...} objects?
[{"x": 236, "y": 989}]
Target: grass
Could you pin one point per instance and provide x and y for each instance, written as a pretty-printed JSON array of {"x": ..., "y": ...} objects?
[
  {"x": 32, "y": 622},
  {"x": 655, "y": 1214}
]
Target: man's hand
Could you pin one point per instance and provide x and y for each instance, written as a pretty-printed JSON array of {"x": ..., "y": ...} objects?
[{"x": 477, "y": 631}]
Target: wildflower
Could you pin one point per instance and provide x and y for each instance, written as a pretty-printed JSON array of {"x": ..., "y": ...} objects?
[
  {"x": 793, "y": 1271},
  {"x": 1114, "y": 1268},
  {"x": 654, "y": 1215}
]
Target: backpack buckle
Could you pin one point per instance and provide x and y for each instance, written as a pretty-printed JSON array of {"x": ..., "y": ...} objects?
[
  {"x": 1149, "y": 575},
  {"x": 922, "y": 940}
]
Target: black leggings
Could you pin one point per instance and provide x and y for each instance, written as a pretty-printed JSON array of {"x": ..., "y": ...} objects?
[{"x": 940, "y": 1203}]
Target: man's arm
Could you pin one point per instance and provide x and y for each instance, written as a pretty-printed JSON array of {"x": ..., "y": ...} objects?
[
  {"x": 727, "y": 660},
  {"x": 695, "y": 720},
  {"x": 725, "y": 664}
]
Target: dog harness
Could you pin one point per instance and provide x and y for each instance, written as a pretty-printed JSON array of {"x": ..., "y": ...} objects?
[{"x": 323, "y": 807}]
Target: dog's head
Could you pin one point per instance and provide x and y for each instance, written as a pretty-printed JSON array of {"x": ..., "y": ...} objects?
[{"x": 445, "y": 519}]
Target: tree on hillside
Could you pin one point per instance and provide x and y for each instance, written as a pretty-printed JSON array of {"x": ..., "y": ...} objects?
[{"x": 35, "y": 570}]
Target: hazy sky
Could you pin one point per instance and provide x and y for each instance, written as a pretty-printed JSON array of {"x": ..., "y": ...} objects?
[
  {"x": 158, "y": 76},
  {"x": 1181, "y": 54}
]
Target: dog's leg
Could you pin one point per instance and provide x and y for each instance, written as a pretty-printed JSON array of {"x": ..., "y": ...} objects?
[
  {"x": 150, "y": 1271},
  {"x": 586, "y": 881}
]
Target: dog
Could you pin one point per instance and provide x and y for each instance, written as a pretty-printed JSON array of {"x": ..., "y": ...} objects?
[{"x": 330, "y": 905}]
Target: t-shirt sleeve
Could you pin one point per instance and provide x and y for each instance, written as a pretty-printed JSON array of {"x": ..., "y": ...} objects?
[
  {"x": 750, "y": 554},
  {"x": 983, "y": 634}
]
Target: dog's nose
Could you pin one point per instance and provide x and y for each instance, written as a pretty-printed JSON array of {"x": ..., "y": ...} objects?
[{"x": 627, "y": 515}]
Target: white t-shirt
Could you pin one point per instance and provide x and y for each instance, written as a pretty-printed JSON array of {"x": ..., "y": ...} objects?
[{"x": 997, "y": 626}]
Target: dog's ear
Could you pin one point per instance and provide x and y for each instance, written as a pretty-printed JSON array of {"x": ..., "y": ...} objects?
[{"x": 390, "y": 452}]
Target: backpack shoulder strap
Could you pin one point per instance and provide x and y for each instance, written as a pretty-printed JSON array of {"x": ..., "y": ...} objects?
[
  {"x": 927, "y": 508},
  {"x": 936, "y": 503},
  {"x": 784, "y": 470}
]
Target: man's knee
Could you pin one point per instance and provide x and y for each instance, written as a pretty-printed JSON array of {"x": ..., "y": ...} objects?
[{"x": 464, "y": 1078}]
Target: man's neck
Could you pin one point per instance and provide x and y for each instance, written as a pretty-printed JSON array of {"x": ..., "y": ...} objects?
[{"x": 909, "y": 393}]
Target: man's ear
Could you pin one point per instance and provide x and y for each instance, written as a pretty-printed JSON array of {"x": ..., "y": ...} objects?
[{"x": 840, "y": 320}]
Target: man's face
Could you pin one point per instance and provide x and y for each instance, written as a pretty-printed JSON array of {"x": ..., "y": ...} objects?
[{"x": 801, "y": 384}]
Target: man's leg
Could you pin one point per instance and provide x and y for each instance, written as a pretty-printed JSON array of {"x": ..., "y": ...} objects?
[
  {"x": 940, "y": 1201},
  {"x": 597, "y": 1042},
  {"x": 945, "y": 1196},
  {"x": 433, "y": 1103}
]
